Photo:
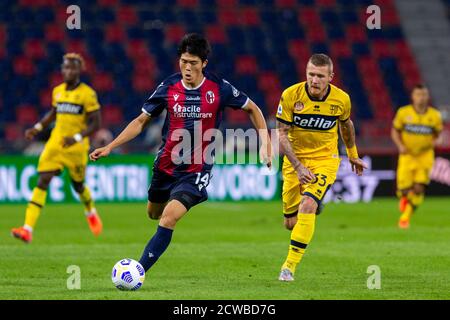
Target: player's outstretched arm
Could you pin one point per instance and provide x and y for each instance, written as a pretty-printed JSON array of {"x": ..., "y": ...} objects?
[
  {"x": 48, "y": 118},
  {"x": 130, "y": 132},
  {"x": 259, "y": 123},
  {"x": 347, "y": 130},
  {"x": 304, "y": 174}
]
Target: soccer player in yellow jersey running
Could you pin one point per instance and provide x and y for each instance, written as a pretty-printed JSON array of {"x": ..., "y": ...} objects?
[
  {"x": 309, "y": 115},
  {"x": 415, "y": 130},
  {"x": 77, "y": 113}
]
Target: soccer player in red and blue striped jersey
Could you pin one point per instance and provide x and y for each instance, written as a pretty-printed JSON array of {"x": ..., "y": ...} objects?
[{"x": 195, "y": 101}]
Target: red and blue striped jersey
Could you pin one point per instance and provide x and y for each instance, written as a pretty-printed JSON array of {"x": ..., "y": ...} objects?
[{"x": 190, "y": 113}]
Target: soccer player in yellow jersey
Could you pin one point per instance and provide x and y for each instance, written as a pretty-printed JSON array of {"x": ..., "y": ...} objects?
[
  {"x": 415, "y": 130},
  {"x": 77, "y": 113},
  {"x": 309, "y": 115}
]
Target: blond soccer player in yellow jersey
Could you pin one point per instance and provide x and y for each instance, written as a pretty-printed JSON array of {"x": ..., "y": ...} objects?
[
  {"x": 415, "y": 130},
  {"x": 309, "y": 115},
  {"x": 77, "y": 114}
]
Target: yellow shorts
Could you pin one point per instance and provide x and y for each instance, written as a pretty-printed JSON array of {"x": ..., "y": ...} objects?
[
  {"x": 324, "y": 169},
  {"x": 56, "y": 158},
  {"x": 414, "y": 169}
]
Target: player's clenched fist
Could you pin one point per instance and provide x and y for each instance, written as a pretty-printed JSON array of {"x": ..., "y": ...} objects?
[
  {"x": 99, "y": 153},
  {"x": 31, "y": 133}
]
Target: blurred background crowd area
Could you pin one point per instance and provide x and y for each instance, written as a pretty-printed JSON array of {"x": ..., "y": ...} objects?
[{"x": 260, "y": 46}]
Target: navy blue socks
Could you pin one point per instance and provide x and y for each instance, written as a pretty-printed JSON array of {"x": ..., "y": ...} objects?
[{"x": 156, "y": 247}]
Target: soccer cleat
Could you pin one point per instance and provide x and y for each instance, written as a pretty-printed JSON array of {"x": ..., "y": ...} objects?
[
  {"x": 286, "y": 275},
  {"x": 22, "y": 234},
  {"x": 403, "y": 224},
  {"x": 95, "y": 223},
  {"x": 403, "y": 203}
]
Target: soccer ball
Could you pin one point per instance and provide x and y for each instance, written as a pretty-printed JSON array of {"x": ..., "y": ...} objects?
[{"x": 128, "y": 274}]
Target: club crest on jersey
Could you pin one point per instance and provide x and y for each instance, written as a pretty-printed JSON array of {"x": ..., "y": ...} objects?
[
  {"x": 315, "y": 122},
  {"x": 298, "y": 106},
  {"x": 210, "y": 97},
  {"x": 334, "y": 109}
]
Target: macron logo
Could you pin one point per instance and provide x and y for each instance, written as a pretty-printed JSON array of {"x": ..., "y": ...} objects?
[{"x": 175, "y": 97}]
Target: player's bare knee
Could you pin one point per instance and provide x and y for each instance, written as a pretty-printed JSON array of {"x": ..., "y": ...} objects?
[
  {"x": 168, "y": 220},
  {"x": 308, "y": 205},
  {"x": 288, "y": 225},
  {"x": 44, "y": 181},
  {"x": 418, "y": 189}
]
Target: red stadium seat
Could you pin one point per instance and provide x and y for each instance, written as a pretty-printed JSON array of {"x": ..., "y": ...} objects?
[
  {"x": 357, "y": 33},
  {"x": 126, "y": 15},
  {"x": 316, "y": 34},
  {"x": 114, "y": 33},
  {"x": 188, "y": 3},
  {"x": 26, "y": 114},
  {"x": 54, "y": 33},
  {"x": 174, "y": 33},
  {"x": 227, "y": 3},
  {"x": 45, "y": 98},
  {"x": 340, "y": 49},
  {"x": 77, "y": 46},
  {"x": 250, "y": 16},
  {"x": 38, "y": 3},
  {"x": 34, "y": 49},
  {"x": 309, "y": 17},
  {"x": 142, "y": 83},
  {"x": 102, "y": 82},
  {"x": 268, "y": 81},
  {"x": 136, "y": 49},
  {"x": 246, "y": 65},
  {"x": 112, "y": 115},
  {"x": 381, "y": 49},
  {"x": 286, "y": 4},
  {"x": 147, "y": 65},
  {"x": 299, "y": 49},
  {"x": 2, "y": 34},
  {"x": 326, "y": 3},
  {"x": 272, "y": 101},
  {"x": 108, "y": 3},
  {"x": 13, "y": 132},
  {"x": 216, "y": 34},
  {"x": 55, "y": 79},
  {"x": 229, "y": 17},
  {"x": 23, "y": 66}
]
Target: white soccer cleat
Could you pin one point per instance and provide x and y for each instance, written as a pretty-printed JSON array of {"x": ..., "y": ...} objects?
[{"x": 286, "y": 275}]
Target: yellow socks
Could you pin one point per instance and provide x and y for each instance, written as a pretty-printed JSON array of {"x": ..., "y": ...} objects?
[
  {"x": 34, "y": 207},
  {"x": 86, "y": 198},
  {"x": 414, "y": 200},
  {"x": 300, "y": 237}
]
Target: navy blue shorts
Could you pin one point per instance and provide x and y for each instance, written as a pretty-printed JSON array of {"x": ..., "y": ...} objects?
[{"x": 189, "y": 189}]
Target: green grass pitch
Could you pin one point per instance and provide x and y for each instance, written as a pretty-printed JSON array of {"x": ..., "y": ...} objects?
[{"x": 232, "y": 251}]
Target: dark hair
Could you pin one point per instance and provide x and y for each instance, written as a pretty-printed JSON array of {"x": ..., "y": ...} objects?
[
  {"x": 419, "y": 86},
  {"x": 196, "y": 45},
  {"x": 321, "y": 59}
]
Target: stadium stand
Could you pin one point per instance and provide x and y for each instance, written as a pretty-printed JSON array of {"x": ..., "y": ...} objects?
[{"x": 259, "y": 46}]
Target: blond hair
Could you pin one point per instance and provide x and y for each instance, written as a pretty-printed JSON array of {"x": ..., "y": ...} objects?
[{"x": 75, "y": 56}]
